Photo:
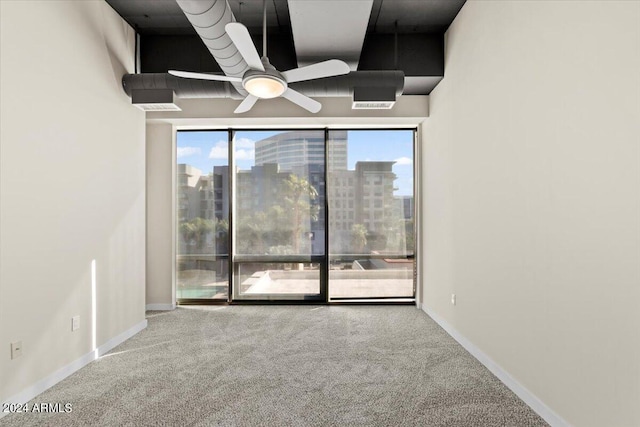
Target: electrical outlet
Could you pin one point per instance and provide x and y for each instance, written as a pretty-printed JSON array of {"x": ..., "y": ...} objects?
[
  {"x": 16, "y": 349},
  {"x": 75, "y": 323},
  {"x": 453, "y": 299}
]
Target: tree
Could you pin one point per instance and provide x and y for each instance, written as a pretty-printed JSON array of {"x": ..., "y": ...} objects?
[
  {"x": 251, "y": 233},
  {"x": 298, "y": 195},
  {"x": 358, "y": 238},
  {"x": 278, "y": 228},
  {"x": 222, "y": 237},
  {"x": 197, "y": 230}
]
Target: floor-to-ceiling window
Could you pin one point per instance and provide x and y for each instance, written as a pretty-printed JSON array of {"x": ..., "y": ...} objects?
[
  {"x": 278, "y": 223},
  {"x": 281, "y": 215},
  {"x": 371, "y": 214},
  {"x": 202, "y": 215}
]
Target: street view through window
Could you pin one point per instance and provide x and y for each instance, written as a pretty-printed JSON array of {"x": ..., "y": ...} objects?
[{"x": 297, "y": 212}]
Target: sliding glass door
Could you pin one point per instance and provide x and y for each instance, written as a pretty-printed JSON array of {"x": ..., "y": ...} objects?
[
  {"x": 295, "y": 215},
  {"x": 279, "y": 227}
]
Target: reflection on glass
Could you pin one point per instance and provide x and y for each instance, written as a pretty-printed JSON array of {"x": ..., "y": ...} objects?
[
  {"x": 371, "y": 226},
  {"x": 202, "y": 215}
]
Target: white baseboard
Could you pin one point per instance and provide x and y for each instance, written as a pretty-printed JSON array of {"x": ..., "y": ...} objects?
[
  {"x": 160, "y": 307},
  {"x": 119, "y": 339},
  {"x": 50, "y": 380},
  {"x": 529, "y": 398}
]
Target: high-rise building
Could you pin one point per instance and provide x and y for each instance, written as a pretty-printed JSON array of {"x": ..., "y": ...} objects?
[
  {"x": 259, "y": 188},
  {"x": 363, "y": 196},
  {"x": 405, "y": 206},
  {"x": 221, "y": 191},
  {"x": 188, "y": 192},
  {"x": 303, "y": 147},
  {"x": 202, "y": 195}
]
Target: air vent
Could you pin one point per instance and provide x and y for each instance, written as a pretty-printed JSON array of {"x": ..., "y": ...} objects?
[
  {"x": 373, "y": 98},
  {"x": 158, "y": 107},
  {"x": 363, "y": 105},
  {"x": 154, "y": 100}
]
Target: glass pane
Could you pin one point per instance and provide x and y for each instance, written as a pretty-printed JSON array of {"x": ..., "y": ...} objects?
[
  {"x": 274, "y": 280},
  {"x": 371, "y": 278},
  {"x": 371, "y": 225},
  {"x": 202, "y": 268},
  {"x": 278, "y": 213},
  {"x": 279, "y": 204}
]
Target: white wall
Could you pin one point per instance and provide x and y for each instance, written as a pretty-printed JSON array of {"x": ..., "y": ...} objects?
[
  {"x": 160, "y": 152},
  {"x": 532, "y": 197},
  {"x": 72, "y": 185},
  {"x": 197, "y": 113}
]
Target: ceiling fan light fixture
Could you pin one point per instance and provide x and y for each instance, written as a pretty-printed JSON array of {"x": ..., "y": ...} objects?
[
  {"x": 262, "y": 80},
  {"x": 265, "y": 86}
]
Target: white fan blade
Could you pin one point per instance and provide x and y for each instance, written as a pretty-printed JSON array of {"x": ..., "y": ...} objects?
[
  {"x": 332, "y": 67},
  {"x": 242, "y": 40},
  {"x": 246, "y": 105},
  {"x": 203, "y": 76},
  {"x": 302, "y": 100}
]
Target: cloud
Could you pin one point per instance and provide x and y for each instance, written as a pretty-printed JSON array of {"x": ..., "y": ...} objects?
[
  {"x": 244, "y": 143},
  {"x": 188, "y": 151},
  {"x": 243, "y": 154},
  {"x": 403, "y": 161},
  {"x": 219, "y": 151}
]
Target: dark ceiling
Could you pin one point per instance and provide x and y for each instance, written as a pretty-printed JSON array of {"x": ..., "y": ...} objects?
[
  {"x": 405, "y": 35},
  {"x": 164, "y": 17}
]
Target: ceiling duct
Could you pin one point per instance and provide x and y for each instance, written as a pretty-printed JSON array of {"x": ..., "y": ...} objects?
[
  {"x": 389, "y": 82},
  {"x": 344, "y": 85},
  {"x": 183, "y": 88},
  {"x": 154, "y": 100},
  {"x": 208, "y": 18},
  {"x": 373, "y": 98}
]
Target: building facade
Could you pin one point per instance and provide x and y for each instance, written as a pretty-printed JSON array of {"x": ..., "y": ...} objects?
[{"x": 364, "y": 213}]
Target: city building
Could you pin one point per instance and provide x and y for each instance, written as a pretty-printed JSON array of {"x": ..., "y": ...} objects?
[
  {"x": 362, "y": 196},
  {"x": 298, "y": 148}
]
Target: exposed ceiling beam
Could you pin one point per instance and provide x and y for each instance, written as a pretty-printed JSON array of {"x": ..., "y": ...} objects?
[{"x": 329, "y": 29}]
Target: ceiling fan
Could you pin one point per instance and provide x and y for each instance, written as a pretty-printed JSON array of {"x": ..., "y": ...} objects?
[{"x": 263, "y": 81}]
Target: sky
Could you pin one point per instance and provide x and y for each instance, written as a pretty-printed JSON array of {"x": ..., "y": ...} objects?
[{"x": 206, "y": 149}]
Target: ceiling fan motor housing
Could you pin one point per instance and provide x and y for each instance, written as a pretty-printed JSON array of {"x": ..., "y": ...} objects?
[{"x": 264, "y": 84}]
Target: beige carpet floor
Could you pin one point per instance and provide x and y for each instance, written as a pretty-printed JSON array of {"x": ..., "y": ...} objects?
[{"x": 285, "y": 366}]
